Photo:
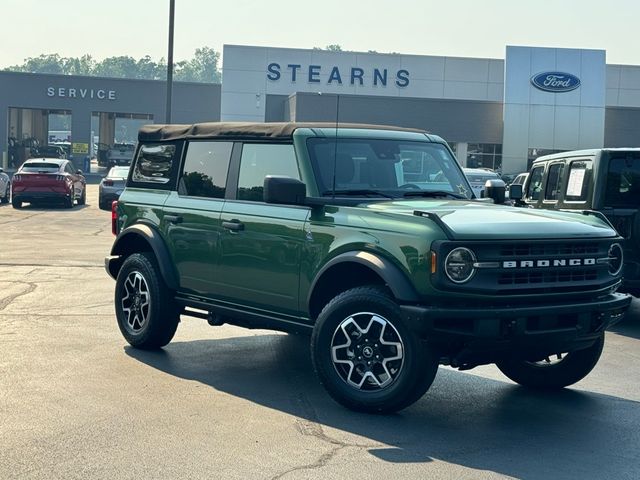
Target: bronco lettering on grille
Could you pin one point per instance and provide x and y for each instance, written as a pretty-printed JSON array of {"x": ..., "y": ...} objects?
[{"x": 571, "y": 262}]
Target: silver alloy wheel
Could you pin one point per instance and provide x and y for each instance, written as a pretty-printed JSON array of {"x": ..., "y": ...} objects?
[
  {"x": 367, "y": 351},
  {"x": 135, "y": 302}
]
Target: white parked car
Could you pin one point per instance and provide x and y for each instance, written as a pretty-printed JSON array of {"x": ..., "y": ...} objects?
[
  {"x": 5, "y": 187},
  {"x": 478, "y": 177}
]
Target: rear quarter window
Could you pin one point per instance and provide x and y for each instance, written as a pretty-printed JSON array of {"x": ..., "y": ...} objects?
[
  {"x": 580, "y": 175},
  {"x": 155, "y": 165}
]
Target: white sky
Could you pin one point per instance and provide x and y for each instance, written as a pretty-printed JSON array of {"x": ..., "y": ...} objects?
[{"x": 463, "y": 28}]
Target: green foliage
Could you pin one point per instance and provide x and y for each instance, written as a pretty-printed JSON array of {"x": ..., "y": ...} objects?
[
  {"x": 331, "y": 48},
  {"x": 202, "y": 68}
]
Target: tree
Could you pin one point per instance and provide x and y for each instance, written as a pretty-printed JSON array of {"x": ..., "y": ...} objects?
[
  {"x": 331, "y": 48},
  {"x": 45, "y": 63},
  {"x": 203, "y": 67}
]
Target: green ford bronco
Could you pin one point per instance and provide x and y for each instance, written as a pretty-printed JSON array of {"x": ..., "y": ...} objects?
[{"x": 370, "y": 240}]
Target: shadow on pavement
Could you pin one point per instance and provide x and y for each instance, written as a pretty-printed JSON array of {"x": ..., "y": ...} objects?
[
  {"x": 464, "y": 419},
  {"x": 630, "y": 324}
]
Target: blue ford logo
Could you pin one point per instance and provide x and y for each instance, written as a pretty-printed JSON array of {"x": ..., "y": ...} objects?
[{"x": 555, "y": 81}]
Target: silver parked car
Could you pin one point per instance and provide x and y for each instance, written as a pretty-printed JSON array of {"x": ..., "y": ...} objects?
[
  {"x": 5, "y": 187},
  {"x": 112, "y": 186}
]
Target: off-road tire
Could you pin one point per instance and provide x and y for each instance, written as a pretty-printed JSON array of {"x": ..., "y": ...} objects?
[
  {"x": 570, "y": 369},
  {"x": 414, "y": 377},
  {"x": 161, "y": 315}
]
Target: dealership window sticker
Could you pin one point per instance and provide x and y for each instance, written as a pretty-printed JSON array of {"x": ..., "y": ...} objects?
[{"x": 576, "y": 180}]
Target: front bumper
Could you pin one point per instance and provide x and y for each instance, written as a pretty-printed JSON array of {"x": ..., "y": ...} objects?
[{"x": 485, "y": 334}]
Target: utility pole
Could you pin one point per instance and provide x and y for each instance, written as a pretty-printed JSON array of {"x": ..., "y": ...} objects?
[{"x": 172, "y": 8}]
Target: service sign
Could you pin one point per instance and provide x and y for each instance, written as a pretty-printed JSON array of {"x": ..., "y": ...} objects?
[{"x": 556, "y": 82}]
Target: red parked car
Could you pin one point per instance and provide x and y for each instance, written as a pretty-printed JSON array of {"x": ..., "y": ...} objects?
[{"x": 48, "y": 180}]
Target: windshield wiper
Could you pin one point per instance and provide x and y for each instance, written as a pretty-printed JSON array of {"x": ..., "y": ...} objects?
[
  {"x": 434, "y": 193},
  {"x": 356, "y": 193}
]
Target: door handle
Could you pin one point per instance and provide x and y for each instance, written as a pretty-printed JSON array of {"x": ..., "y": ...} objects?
[
  {"x": 173, "y": 218},
  {"x": 234, "y": 225}
]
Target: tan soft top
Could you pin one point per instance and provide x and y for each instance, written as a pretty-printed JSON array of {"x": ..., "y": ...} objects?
[{"x": 281, "y": 130}]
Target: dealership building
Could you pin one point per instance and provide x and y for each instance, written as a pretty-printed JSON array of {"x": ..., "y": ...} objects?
[{"x": 495, "y": 113}]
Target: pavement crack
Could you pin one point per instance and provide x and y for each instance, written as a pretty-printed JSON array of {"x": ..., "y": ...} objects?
[
  {"x": 319, "y": 463},
  {"x": 5, "y": 302},
  {"x": 22, "y": 219},
  {"x": 309, "y": 426}
]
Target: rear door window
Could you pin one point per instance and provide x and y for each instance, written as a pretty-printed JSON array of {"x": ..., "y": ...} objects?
[{"x": 205, "y": 169}]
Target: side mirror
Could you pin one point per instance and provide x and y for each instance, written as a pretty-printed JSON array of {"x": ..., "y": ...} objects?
[
  {"x": 495, "y": 189},
  {"x": 285, "y": 190},
  {"x": 515, "y": 192},
  {"x": 78, "y": 172}
]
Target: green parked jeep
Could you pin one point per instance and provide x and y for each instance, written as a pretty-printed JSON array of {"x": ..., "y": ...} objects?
[
  {"x": 606, "y": 180},
  {"x": 370, "y": 240}
]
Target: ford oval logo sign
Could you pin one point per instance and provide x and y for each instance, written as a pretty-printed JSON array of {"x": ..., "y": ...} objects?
[{"x": 555, "y": 82}]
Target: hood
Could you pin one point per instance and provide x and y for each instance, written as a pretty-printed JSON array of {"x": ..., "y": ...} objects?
[{"x": 468, "y": 220}]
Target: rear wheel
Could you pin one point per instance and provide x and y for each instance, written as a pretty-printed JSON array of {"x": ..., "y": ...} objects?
[
  {"x": 365, "y": 356},
  {"x": 68, "y": 202},
  {"x": 16, "y": 203},
  {"x": 146, "y": 312},
  {"x": 7, "y": 194},
  {"x": 556, "y": 371},
  {"x": 83, "y": 198}
]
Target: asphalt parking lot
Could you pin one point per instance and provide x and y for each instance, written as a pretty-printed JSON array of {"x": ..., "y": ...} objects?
[{"x": 224, "y": 402}]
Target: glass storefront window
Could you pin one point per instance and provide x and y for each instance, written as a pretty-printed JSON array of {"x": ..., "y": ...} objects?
[{"x": 484, "y": 155}]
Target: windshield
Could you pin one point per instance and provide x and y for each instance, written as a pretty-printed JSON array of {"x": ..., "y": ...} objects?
[
  {"x": 40, "y": 167},
  {"x": 387, "y": 167}
]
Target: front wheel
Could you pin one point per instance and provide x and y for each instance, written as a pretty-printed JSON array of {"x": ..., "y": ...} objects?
[
  {"x": 146, "y": 312},
  {"x": 83, "y": 198},
  {"x": 554, "y": 372},
  {"x": 366, "y": 357}
]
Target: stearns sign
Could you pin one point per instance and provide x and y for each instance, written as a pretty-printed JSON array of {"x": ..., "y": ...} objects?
[{"x": 294, "y": 72}]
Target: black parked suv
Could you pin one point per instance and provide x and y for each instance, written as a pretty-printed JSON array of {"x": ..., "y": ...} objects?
[
  {"x": 605, "y": 180},
  {"x": 369, "y": 239}
]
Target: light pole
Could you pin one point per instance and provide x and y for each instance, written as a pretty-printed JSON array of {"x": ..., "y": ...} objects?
[{"x": 172, "y": 8}]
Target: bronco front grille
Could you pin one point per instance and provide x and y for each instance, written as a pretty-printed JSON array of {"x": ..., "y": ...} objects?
[{"x": 533, "y": 266}]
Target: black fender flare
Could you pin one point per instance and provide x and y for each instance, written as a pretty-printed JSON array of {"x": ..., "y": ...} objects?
[
  {"x": 152, "y": 236},
  {"x": 398, "y": 282}
]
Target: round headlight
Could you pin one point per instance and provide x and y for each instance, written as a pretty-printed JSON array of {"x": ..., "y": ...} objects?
[
  {"x": 615, "y": 259},
  {"x": 459, "y": 265}
]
